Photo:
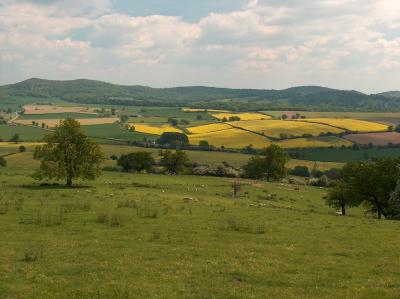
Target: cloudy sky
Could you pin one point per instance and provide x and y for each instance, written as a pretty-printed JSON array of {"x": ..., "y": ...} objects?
[{"x": 347, "y": 44}]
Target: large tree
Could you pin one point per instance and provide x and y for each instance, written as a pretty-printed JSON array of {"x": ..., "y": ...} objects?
[
  {"x": 372, "y": 182},
  {"x": 68, "y": 154},
  {"x": 270, "y": 165}
]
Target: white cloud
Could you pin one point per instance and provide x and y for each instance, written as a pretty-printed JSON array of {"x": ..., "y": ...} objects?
[{"x": 267, "y": 44}]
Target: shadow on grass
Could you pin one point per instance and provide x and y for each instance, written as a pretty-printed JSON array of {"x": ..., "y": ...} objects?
[{"x": 54, "y": 187}]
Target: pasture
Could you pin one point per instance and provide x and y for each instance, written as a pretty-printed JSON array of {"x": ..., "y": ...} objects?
[
  {"x": 26, "y": 133},
  {"x": 343, "y": 155},
  {"x": 121, "y": 235},
  {"x": 242, "y": 116},
  {"x": 277, "y": 128}
]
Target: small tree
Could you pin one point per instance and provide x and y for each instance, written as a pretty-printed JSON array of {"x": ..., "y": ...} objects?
[
  {"x": 173, "y": 121},
  {"x": 138, "y": 162},
  {"x": 3, "y": 162},
  {"x": 203, "y": 144},
  {"x": 340, "y": 198},
  {"x": 22, "y": 149},
  {"x": 173, "y": 162},
  {"x": 123, "y": 118},
  {"x": 15, "y": 138},
  {"x": 236, "y": 187},
  {"x": 68, "y": 154},
  {"x": 270, "y": 166}
]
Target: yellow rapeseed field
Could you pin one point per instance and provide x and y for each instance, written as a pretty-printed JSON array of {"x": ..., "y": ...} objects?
[
  {"x": 274, "y": 128},
  {"x": 203, "y": 110},
  {"x": 313, "y": 142},
  {"x": 83, "y": 121},
  {"x": 209, "y": 128},
  {"x": 155, "y": 129},
  {"x": 50, "y": 109},
  {"x": 242, "y": 116},
  {"x": 230, "y": 138},
  {"x": 348, "y": 124}
]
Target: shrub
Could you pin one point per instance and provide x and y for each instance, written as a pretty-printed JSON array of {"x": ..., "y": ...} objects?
[
  {"x": 22, "y": 149},
  {"x": 3, "y": 162}
]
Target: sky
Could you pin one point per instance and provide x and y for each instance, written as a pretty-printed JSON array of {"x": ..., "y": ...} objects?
[{"x": 264, "y": 44}]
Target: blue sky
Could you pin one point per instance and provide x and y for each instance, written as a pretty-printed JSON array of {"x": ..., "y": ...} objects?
[
  {"x": 190, "y": 11},
  {"x": 346, "y": 44}
]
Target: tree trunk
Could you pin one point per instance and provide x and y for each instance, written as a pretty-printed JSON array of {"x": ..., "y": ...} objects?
[
  {"x": 379, "y": 215},
  {"x": 343, "y": 210},
  {"x": 69, "y": 182}
]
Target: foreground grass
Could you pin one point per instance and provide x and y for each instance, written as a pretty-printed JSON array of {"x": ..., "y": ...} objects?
[{"x": 156, "y": 236}]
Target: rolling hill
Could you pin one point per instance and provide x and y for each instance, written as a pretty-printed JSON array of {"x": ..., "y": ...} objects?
[{"x": 302, "y": 98}]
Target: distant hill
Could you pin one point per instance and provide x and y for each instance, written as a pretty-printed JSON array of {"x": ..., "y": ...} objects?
[
  {"x": 391, "y": 94},
  {"x": 302, "y": 98}
]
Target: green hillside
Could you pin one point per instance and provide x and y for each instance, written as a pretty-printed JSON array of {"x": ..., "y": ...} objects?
[{"x": 96, "y": 92}]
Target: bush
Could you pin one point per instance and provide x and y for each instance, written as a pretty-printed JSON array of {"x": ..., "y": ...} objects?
[
  {"x": 302, "y": 171},
  {"x": 22, "y": 149},
  {"x": 3, "y": 162},
  {"x": 138, "y": 162},
  {"x": 173, "y": 138},
  {"x": 217, "y": 170}
]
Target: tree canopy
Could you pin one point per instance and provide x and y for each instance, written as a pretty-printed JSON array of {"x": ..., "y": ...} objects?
[
  {"x": 138, "y": 162},
  {"x": 270, "y": 165},
  {"x": 68, "y": 154}
]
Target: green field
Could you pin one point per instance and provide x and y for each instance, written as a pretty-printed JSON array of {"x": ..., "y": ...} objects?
[
  {"x": 114, "y": 131},
  {"x": 345, "y": 155},
  {"x": 158, "y": 236},
  {"x": 26, "y": 133}
]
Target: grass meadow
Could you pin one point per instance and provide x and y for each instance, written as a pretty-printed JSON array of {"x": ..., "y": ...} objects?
[{"x": 158, "y": 236}]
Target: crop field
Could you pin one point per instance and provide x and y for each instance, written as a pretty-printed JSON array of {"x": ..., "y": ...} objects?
[
  {"x": 74, "y": 115},
  {"x": 83, "y": 121},
  {"x": 115, "y": 132},
  {"x": 209, "y": 128},
  {"x": 49, "y": 109},
  {"x": 274, "y": 128},
  {"x": 26, "y": 133},
  {"x": 154, "y": 129},
  {"x": 230, "y": 138},
  {"x": 375, "y": 138},
  {"x": 392, "y": 118},
  {"x": 203, "y": 110},
  {"x": 352, "y": 125},
  {"x": 345, "y": 155},
  {"x": 242, "y": 116},
  {"x": 328, "y": 141},
  {"x": 121, "y": 235}
]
